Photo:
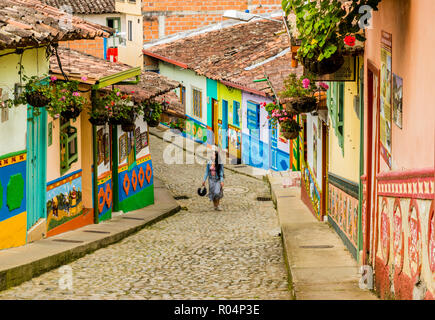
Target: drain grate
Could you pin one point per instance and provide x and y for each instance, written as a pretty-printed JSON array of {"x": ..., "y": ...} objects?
[
  {"x": 66, "y": 240},
  {"x": 96, "y": 231},
  {"x": 239, "y": 167},
  {"x": 317, "y": 247},
  {"x": 132, "y": 218},
  {"x": 264, "y": 198},
  {"x": 181, "y": 197},
  {"x": 286, "y": 196}
]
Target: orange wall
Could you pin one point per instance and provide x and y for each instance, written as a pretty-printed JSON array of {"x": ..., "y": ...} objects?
[{"x": 410, "y": 23}]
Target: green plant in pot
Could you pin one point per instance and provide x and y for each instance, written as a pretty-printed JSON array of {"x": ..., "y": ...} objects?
[
  {"x": 327, "y": 30},
  {"x": 67, "y": 100},
  {"x": 177, "y": 125},
  {"x": 299, "y": 94},
  {"x": 290, "y": 128},
  {"x": 152, "y": 111}
]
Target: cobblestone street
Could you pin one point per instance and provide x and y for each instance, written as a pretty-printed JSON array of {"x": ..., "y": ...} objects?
[{"x": 196, "y": 254}]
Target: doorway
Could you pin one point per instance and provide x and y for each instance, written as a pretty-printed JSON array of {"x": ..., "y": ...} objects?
[
  {"x": 215, "y": 121},
  {"x": 36, "y": 166},
  {"x": 372, "y": 160},
  {"x": 224, "y": 124}
]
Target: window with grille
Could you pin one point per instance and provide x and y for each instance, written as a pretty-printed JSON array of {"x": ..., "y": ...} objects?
[
  {"x": 336, "y": 110},
  {"x": 197, "y": 103},
  {"x": 68, "y": 145}
]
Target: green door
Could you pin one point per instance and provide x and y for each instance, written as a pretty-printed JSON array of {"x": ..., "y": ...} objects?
[{"x": 36, "y": 166}]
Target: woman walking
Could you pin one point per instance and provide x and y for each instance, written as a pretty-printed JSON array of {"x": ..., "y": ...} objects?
[{"x": 215, "y": 174}]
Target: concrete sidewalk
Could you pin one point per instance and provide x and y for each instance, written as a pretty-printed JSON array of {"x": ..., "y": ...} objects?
[
  {"x": 319, "y": 264},
  {"x": 23, "y": 263},
  {"x": 165, "y": 133}
]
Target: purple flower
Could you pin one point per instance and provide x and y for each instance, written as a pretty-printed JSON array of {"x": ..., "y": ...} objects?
[{"x": 306, "y": 83}]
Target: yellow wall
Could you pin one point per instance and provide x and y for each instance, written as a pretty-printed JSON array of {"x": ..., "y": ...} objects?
[
  {"x": 229, "y": 94},
  {"x": 13, "y": 231},
  {"x": 346, "y": 165}
]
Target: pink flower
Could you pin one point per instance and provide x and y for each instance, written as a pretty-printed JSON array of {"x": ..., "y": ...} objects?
[
  {"x": 84, "y": 78},
  {"x": 306, "y": 83},
  {"x": 76, "y": 94},
  {"x": 63, "y": 98},
  {"x": 118, "y": 93},
  {"x": 53, "y": 79},
  {"x": 324, "y": 85},
  {"x": 107, "y": 107}
]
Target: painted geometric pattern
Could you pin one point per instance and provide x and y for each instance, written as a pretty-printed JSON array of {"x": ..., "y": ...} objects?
[
  {"x": 15, "y": 192},
  {"x": 421, "y": 188},
  {"x": 343, "y": 209},
  {"x": 134, "y": 180}
]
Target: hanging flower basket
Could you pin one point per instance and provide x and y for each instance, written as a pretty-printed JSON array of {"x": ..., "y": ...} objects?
[
  {"x": 71, "y": 113},
  {"x": 301, "y": 104},
  {"x": 37, "y": 99},
  {"x": 326, "y": 66},
  {"x": 152, "y": 123},
  {"x": 128, "y": 124},
  {"x": 100, "y": 120},
  {"x": 290, "y": 135},
  {"x": 290, "y": 129}
]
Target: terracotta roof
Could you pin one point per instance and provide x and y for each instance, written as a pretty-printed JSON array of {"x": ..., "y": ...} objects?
[
  {"x": 237, "y": 54},
  {"x": 77, "y": 64},
  {"x": 150, "y": 86},
  {"x": 85, "y": 6},
  {"x": 31, "y": 23}
]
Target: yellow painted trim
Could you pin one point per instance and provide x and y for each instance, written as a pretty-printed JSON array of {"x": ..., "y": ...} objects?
[
  {"x": 13, "y": 160},
  {"x": 143, "y": 159}
]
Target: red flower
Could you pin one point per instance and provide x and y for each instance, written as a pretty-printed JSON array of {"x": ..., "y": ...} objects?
[{"x": 350, "y": 40}]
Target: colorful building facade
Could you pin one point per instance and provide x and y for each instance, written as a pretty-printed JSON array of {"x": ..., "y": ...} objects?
[{"x": 398, "y": 180}]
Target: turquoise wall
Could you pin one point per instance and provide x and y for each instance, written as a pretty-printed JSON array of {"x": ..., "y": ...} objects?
[{"x": 212, "y": 93}]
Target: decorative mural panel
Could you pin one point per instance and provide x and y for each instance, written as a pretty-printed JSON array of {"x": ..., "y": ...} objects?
[
  {"x": 312, "y": 190},
  {"x": 410, "y": 211},
  {"x": 105, "y": 196},
  {"x": 235, "y": 139},
  {"x": 64, "y": 200},
  {"x": 13, "y": 215},
  {"x": 343, "y": 209},
  {"x": 385, "y": 231},
  {"x": 136, "y": 182},
  {"x": 196, "y": 130}
]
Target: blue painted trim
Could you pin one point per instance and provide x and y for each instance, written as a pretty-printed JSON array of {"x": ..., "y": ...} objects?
[
  {"x": 64, "y": 177},
  {"x": 105, "y": 48}
]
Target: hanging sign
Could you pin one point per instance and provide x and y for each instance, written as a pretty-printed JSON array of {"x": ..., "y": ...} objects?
[{"x": 385, "y": 97}]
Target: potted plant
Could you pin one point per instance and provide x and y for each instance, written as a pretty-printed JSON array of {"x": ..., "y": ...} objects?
[
  {"x": 177, "y": 125},
  {"x": 67, "y": 99},
  {"x": 37, "y": 92},
  {"x": 290, "y": 128},
  {"x": 152, "y": 111},
  {"x": 119, "y": 107},
  {"x": 299, "y": 95},
  {"x": 327, "y": 30}
]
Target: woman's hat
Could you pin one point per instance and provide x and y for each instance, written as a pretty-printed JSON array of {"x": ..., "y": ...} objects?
[{"x": 202, "y": 191}]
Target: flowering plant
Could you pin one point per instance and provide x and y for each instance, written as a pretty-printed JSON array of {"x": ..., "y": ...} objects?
[
  {"x": 326, "y": 26},
  {"x": 276, "y": 112},
  {"x": 66, "y": 99},
  {"x": 152, "y": 110},
  {"x": 301, "y": 87}
]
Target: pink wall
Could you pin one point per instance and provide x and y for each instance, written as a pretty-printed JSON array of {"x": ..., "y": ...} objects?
[{"x": 411, "y": 24}]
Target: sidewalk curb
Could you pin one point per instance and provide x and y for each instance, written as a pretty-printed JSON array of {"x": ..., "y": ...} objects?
[
  {"x": 226, "y": 167},
  {"x": 17, "y": 275},
  {"x": 283, "y": 241}
]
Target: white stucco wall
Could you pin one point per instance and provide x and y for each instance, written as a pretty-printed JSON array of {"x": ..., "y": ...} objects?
[
  {"x": 189, "y": 79},
  {"x": 13, "y": 131}
]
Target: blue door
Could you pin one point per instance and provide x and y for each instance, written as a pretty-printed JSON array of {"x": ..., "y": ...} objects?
[
  {"x": 256, "y": 152},
  {"x": 224, "y": 124},
  {"x": 273, "y": 146},
  {"x": 36, "y": 166}
]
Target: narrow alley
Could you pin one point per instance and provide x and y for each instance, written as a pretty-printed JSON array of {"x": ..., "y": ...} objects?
[{"x": 196, "y": 254}]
